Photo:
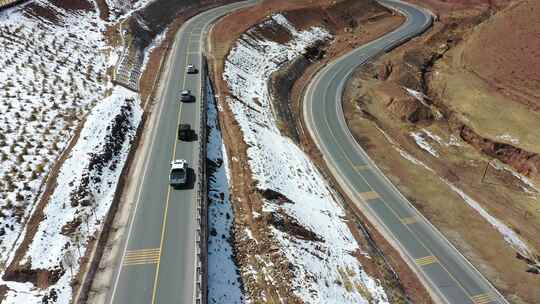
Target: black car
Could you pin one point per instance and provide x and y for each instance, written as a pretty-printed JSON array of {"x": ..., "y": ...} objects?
[{"x": 184, "y": 132}]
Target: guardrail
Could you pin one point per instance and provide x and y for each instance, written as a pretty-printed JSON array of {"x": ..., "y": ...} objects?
[{"x": 201, "y": 236}]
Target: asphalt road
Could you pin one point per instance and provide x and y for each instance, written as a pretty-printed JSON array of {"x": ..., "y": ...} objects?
[
  {"x": 158, "y": 263},
  {"x": 450, "y": 278}
]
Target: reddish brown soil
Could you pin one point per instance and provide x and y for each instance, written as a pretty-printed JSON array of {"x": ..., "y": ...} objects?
[{"x": 510, "y": 65}]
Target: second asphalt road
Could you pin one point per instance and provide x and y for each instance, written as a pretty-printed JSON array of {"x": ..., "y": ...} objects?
[{"x": 450, "y": 278}]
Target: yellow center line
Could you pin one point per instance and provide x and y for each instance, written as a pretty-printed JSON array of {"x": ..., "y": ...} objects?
[
  {"x": 426, "y": 260},
  {"x": 351, "y": 163},
  {"x": 482, "y": 298},
  {"x": 409, "y": 220},
  {"x": 369, "y": 195},
  {"x": 361, "y": 167},
  {"x": 164, "y": 225}
]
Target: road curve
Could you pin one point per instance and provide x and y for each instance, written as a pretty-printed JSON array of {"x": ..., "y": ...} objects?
[
  {"x": 448, "y": 276},
  {"x": 158, "y": 260}
]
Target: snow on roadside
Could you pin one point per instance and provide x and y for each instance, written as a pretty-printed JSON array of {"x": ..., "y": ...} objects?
[
  {"x": 223, "y": 279},
  {"x": 278, "y": 164},
  {"x": 509, "y": 235},
  {"x": 404, "y": 153},
  {"x": 531, "y": 188},
  {"x": 86, "y": 186}
]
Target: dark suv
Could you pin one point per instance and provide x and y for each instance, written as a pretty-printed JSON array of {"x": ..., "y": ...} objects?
[{"x": 184, "y": 132}]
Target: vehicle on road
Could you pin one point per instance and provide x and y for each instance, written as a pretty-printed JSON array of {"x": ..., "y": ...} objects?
[
  {"x": 191, "y": 69},
  {"x": 186, "y": 96},
  {"x": 184, "y": 132},
  {"x": 178, "y": 174}
]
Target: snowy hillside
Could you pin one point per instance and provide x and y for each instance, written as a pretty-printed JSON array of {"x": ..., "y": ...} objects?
[
  {"x": 51, "y": 76},
  {"x": 57, "y": 99},
  {"x": 223, "y": 280},
  {"x": 325, "y": 270}
]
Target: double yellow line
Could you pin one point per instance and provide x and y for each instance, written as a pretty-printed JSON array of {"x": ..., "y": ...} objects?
[
  {"x": 483, "y": 298},
  {"x": 142, "y": 256},
  {"x": 164, "y": 225},
  {"x": 426, "y": 260}
]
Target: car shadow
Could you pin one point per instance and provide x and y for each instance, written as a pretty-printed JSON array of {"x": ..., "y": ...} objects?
[{"x": 192, "y": 136}]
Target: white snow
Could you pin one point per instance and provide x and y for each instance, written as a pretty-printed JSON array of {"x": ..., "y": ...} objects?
[
  {"x": 53, "y": 79},
  {"x": 278, "y": 164},
  {"x": 420, "y": 139},
  {"x": 532, "y": 187},
  {"x": 51, "y": 76},
  {"x": 402, "y": 152},
  {"x": 121, "y": 9},
  {"x": 508, "y": 138},
  {"x": 509, "y": 235},
  {"x": 223, "y": 279},
  {"x": 49, "y": 246},
  {"x": 417, "y": 95}
]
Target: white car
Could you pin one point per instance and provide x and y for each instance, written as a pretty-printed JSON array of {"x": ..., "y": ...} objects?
[
  {"x": 191, "y": 69},
  {"x": 178, "y": 175}
]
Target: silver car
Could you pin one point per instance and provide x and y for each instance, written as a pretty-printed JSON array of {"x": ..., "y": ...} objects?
[
  {"x": 186, "y": 96},
  {"x": 178, "y": 174}
]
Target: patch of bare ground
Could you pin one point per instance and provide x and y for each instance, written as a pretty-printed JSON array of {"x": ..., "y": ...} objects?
[
  {"x": 463, "y": 132},
  {"x": 352, "y": 23}
]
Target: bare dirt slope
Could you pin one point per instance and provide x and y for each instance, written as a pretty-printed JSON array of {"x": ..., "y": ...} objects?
[{"x": 461, "y": 145}]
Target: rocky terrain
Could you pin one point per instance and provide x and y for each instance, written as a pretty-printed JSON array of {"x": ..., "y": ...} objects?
[{"x": 458, "y": 108}]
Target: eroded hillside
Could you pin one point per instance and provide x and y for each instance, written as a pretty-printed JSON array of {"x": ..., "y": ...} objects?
[{"x": 458, "y": 108}]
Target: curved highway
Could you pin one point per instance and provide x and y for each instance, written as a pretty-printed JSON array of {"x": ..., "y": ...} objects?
[
  {"x": 448, "y": 276},
  {"x": 158, "y": 260}
]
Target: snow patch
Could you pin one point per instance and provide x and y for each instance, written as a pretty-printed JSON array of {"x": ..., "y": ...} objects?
[
  {"x": 508, "y": 138},
  {"x": 223, "y": 279},
  {"x": 420, "y": 139},
  {"x": 509, "y": 235},
  {"x": 93, "y": 168},
  {"x": 278, "y": 164}
]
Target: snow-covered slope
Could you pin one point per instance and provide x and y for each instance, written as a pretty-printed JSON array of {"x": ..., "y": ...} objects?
[
  {"x": 54, "y": 90},
  {"x": 51, "y": 75},
  {"x": 325, "y": 270},
  {"x": 223, "y": 280}
]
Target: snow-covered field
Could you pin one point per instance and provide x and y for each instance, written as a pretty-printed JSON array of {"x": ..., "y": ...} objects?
[
  {"x": 51, "y": 76},
  {"x": 223, "y": 279},
  {"x": 325, "y": 271},
  {"x": 86, "y": 186},
  {"x": 53, "y": 81}
]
